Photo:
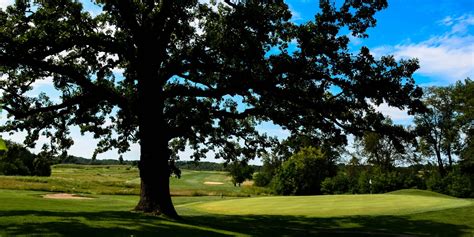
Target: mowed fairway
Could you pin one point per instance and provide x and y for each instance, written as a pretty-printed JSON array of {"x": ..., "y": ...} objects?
[{"x": 333, "y": 205}]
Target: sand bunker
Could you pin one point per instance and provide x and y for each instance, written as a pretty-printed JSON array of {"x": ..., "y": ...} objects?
[
  {"x": 213, "y": 183},
  {"x": 64, "y": 196}
]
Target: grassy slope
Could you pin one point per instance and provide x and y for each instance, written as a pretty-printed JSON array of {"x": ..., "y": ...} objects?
[
  {"x": 26, "y": 213},
  {"x": 117, "y": 179}
]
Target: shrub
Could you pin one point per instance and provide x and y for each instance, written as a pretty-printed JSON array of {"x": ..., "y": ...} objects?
[
  {"x": 42, "y": 165},
  {"x": 459, "y": 184},
  {"x": 302, "y": 173},
  {"x": 239, "y": 172},
  {"x": 436, "y": 183},
  {"x": 18, "y": 160},
  {"x": 363, "y": 185},
  {"x": 338, "y": 184},
  {"x": 261, "y": 179},
  {"x": 386, "y": 182}
]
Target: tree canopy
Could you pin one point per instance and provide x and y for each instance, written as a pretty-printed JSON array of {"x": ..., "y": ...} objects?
[
  {"x": 446, "y": 128},
  {"x": 194, "y": 75}
]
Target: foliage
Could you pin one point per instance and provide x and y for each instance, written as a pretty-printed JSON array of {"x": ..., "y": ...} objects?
[
  {"x": 455, "y": 183},
  {"x": 261, "y": 179},
  {"x": 369, "y": 179},
  {"x": 440, "y": 127},
  {"x": 381, "y": 151},
  {"x": 239, "y": 171},
  {"x": 338, "y": 184},
  {"x": 303, "y": 173},
  {"x": 18, "y": 160},
  {"x": 465, "y": 108},
  {"x": 42, "y": 164}
]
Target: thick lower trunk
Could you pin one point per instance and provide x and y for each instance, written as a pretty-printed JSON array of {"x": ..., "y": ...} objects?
[
  {"x": 155, "y": 194},
  {"x": 154, "y": 168}
]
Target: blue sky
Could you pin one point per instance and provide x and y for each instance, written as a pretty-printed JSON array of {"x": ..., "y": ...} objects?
[{"x": 440, "y": 33}]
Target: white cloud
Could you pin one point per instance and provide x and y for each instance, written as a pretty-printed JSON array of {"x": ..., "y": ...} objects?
[
  {"x": 451, "y": 58},
  {"x": 48, "y": 81},
  {"x": 448, "y": 57},
  {"x": 398, "y": 116},
  {"x": 459, "y": 24},
  {"x": 5, "y": 3},
  {"x": 295, "y": 15},
  {"x": 273, "y": 130}
]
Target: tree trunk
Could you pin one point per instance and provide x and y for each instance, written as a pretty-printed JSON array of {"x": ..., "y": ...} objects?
[
  {"x": 155, "y": 194},
  {"x": 441, "y": 169},
  {"x": 154, "y": 167},
  {"x": 450, "y": 159}
]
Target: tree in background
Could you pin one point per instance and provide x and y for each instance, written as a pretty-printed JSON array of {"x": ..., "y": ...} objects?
[
  {"x": 42, "y": 164},
  {"x": 384, "y": 152},
  {"x": 18, "y": 160},
  {"x": 303, "y": 173},
  {"x": 239, "y": 172},
  {"x": 121, "y": 160},
  {"x": 194, "y": 76},
  {"x": 440, "y": 126},
  {"x": 464, "y": 107}
]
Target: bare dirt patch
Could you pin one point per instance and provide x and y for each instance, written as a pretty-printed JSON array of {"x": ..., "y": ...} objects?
[
  {"x": 64, "y": 196},
  {"x": 213, "y": 183}
]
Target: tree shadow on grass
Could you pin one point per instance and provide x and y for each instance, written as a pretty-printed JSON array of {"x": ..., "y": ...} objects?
[
  {"x": 87, "y": 224},
  {"x": 124, "y": 223},
  {"x": 271, "y": 225}
]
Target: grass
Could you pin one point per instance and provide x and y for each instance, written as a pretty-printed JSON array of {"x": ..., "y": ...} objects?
[
  {"x": 333, "y": 205},
  {"x": 123, "y": 180},
  {"x": 26, "y": 213},
  {"x": 402, "y": 213}
]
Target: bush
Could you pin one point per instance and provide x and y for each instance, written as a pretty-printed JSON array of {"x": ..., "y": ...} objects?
[
  {"x": 436, "y": 183},
  {"x": 386, "y": 182},
  {"x": 459, "y": 184},
  {"x": 42, "y": 165},
  {"x": 338, "y": 184},
  {"x": 363, "y": 185},
  {"x": 261, "y": 179},
  {"x": 412, "y": 180},
  {"x": 239, "y": 172},
  {"x": 302, "y": 173},
  {"x": 17, "y": 160}
]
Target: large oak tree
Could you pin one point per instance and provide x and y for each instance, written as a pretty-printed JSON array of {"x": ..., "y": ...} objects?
[{"x": 194, "y": 75}]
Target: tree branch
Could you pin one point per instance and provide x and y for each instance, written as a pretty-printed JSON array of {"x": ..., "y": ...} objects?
[
  {"x": 66, "y": 104},
  {"x": 70, "y": 72}
]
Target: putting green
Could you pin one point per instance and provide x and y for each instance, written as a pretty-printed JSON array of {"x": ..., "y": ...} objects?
[{"x": 332, "y": 205}]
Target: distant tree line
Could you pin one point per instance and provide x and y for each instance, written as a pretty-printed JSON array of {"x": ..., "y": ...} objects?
[
  {"x": 438, "y": 156},
  {"x": 16, "y": 159}
]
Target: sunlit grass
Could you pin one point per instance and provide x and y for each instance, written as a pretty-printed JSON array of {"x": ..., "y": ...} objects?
[
  {"x": 124, "y": 180},
  {"x": 333, "y": 205}
]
